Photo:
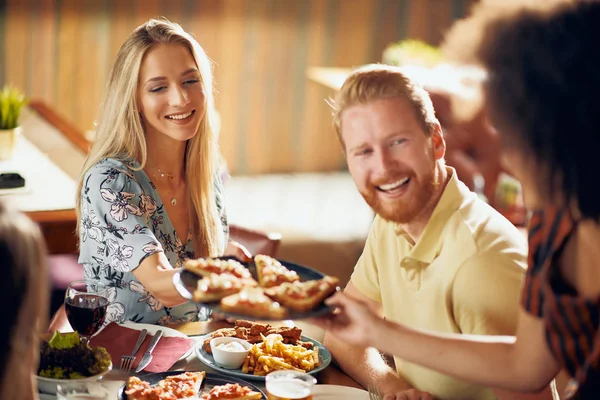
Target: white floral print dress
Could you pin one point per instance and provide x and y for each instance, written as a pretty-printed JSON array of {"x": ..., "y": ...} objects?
[{"x": 123, "y": 221}]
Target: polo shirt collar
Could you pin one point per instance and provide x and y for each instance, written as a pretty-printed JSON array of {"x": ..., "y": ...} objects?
[{"x": 429, "y": 244}]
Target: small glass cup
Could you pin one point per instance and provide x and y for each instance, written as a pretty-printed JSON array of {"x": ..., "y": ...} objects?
[
  {"x": 289, "y": 385},
  {"x": 82, "y": 391}
]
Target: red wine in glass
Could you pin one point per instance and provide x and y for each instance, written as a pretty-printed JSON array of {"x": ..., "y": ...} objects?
[{"x": 86, "y": 307}]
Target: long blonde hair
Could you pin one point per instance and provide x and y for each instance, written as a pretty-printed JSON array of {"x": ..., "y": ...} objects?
[
  {"x": 120, "y": 133},
  {"x": 24, "y": 295}
]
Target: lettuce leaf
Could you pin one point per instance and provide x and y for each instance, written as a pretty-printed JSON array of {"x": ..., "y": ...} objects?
[{"x": 66, "y": 340}]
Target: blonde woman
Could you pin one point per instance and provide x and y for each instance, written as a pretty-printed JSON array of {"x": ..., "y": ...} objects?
[
  {"x": 150, "y": 192},
  {"x": 24, "y": 296}
]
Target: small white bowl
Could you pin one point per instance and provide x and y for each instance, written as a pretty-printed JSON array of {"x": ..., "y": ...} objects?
[
  {"x": 48, "y": 385},
  {"x": 230, "y": 359}
]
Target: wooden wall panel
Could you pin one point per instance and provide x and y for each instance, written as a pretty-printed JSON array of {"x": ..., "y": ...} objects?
[
  {"x": 230, "y": 76},
  {"x": 273, "y": 118},
  {"x": 16, "y": 37},
  {"x": 42, "y": 34},
  {"x": 311, "y": 125}
]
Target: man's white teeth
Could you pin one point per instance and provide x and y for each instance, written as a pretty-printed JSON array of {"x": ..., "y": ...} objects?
[
  {"x": 179, "y": 116},
  {"x": 393, "y": 185}
]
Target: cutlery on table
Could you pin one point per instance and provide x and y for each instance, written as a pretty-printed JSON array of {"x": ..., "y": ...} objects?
[
  {"x": 148, "y": 356},
  {"x": 127, "y": 361}
]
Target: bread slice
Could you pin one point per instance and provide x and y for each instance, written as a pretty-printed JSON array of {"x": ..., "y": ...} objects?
[
  {"x": 303, "y": 296},
  {"x": 272, "y": 273},
  {"x": 214, "y": 287},
  {"x": 252, "y": 302}
]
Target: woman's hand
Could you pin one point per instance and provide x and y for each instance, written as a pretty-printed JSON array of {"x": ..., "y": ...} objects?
[
  {"x": 238, "y": 251},
  {"x": 353, "y": 321}
]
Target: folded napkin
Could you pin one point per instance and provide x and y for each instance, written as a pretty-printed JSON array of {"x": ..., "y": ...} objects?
[{"x": 119, "y": 340}]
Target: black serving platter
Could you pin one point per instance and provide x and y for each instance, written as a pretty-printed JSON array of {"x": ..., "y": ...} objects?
[{"x": 186, "y": 282}]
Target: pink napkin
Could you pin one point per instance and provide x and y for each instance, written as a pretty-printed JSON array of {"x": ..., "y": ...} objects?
[{"x": 119, "y": 340}]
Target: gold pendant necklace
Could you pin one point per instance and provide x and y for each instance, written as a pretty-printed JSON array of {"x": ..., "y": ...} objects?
[{"x": 170, "y": 176}]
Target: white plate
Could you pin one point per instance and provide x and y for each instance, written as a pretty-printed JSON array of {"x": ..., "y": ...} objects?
[
  {"x": 167, "y": 332},
  {"x": 337, "y": 392}
]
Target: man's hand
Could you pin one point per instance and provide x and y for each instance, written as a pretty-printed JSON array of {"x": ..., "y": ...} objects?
[{"x": 353, "y": 322}]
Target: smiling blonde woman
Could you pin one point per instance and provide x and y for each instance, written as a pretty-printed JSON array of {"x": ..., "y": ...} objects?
[{"x": 150, "y": 192}]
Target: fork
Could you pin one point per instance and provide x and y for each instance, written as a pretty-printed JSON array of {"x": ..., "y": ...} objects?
[
  {"x": 127, "y": 361},
  {"x": 373, "y": 393}
]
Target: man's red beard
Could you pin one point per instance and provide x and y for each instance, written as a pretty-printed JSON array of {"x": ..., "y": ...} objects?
[{"x": 403, "y": 210}]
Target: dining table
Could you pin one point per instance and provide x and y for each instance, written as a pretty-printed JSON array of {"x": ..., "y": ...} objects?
[{"x": 115, "y": 379}]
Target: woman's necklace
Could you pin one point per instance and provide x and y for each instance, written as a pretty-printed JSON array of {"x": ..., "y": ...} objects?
[{"x": 163, "y": 175}]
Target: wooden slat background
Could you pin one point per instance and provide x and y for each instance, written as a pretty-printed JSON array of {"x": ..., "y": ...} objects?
[{"x": 273, "y": 118}]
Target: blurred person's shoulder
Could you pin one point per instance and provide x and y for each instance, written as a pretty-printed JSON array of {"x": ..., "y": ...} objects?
[{"x": 488, "y": 231}]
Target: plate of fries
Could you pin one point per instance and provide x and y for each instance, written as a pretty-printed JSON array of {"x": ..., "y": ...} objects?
[{"x": 272, "y": 354}]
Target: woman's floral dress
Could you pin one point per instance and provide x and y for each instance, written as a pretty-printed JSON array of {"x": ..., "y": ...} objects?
[{"x": 123, "y": 221}]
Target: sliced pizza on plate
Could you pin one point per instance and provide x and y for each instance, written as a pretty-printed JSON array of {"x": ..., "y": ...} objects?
[
  {"x": 303, "y": 296},
  {"x": 175, "y": 387},
  {"x": 216, "y": 286},
  {"x": 207, "y": 266},
  {"x": 272, "y": 273},
  {"x": 253, "y": 302}
]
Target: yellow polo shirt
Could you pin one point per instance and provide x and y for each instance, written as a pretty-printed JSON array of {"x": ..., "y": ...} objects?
[{"x": 464, "y": 275}]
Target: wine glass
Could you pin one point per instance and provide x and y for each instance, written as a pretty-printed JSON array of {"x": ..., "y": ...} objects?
[{"x": 86, "y": 304}]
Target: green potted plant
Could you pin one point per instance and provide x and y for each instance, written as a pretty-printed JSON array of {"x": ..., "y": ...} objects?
[
  {"x": 11, "y": 102},
  {"x": 411, "y": 52}
]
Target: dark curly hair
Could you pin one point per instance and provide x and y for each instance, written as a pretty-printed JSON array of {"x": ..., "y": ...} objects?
[{"x": 543, "y": 87}]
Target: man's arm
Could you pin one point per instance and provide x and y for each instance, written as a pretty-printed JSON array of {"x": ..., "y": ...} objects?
[{"x": 365, "y": 365}]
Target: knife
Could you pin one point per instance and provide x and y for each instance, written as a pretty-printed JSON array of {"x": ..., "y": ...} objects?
[{"x": 148, "y": 356}]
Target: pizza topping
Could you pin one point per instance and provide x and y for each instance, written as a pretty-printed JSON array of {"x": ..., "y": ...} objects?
[
  {"x": 255, "y": 297},
  {"x": 227, "y": 391},
  {"x": 183, "y": 385},
  {"x": 174, "y": 387},
  {"x": 143, "y": 391},
  {"x": 217, "y": 266},
  {"x": 304, "y": 290},
  {"x": 216, "y": 283},
  {"x": 272, "y": 272}
]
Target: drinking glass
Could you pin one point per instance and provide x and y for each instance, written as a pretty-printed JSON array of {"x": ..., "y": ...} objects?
[
  {"x": 85, "y": 305},
  {"x": 289, "y": 385},
  {"x": 82, "y": 391}
]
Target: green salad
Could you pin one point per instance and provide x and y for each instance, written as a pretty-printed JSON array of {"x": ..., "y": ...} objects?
[{"x": 66, "y": 357}]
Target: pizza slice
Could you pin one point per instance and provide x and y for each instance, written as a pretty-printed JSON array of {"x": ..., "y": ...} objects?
[
  {"x": 207, "y": 266},
  {"x": 183, "y": 386},
  {"x": 272, "y": 273},
  {"x": 231, "y": 391},
  {"x": 174, "y": 387},
  {"x": 137, "y": 389},
  {"x": 252, "y": 301},
  {"x": 214, "y": 287},
  {"x": 303, "y": 296}
]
